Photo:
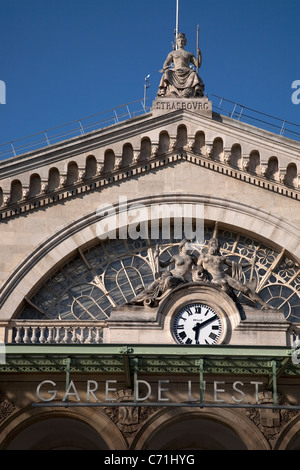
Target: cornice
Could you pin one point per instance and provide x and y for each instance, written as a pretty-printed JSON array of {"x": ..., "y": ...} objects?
[
  {"x": 99, "y": 182},
  {"x": 141, "y": 125}
]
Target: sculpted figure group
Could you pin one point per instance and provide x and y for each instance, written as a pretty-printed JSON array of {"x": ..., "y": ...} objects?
[{"x": 209, "y": 267}]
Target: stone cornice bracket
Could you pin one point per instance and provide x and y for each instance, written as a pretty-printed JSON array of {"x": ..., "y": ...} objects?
[
  {"x": 99, "y": 169},
  {"x": 172, "y": 144},
  {"x": 118, "y": 162},
  {"x": 25, "y": 193},
  {"x": 209, "y": 148},
  {"x": 154, "y": 149},
  {"x": 62, "y": 180},
  {"x": 245, "y": 162},
  {"x": 44, "y": 186},
  {"x": 6, "y": 199},
  {"x": 282, "y": 175},
  {"x": 190, "y": 143},
  {"x": 263, "y": 169},
  {"x": 81, "y": 174},
  {"x": 136, "y": 156},
  {"x": 227, "y": 155}
]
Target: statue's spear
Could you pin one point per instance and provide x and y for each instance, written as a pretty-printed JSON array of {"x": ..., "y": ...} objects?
[{"x": 198, "y": 49}]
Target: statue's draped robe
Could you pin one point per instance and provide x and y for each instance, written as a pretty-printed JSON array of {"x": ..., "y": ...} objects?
[{"x": 181, "y": 81}]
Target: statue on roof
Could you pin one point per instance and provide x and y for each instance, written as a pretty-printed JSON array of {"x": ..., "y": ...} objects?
[{"x": 181, "y": 80}]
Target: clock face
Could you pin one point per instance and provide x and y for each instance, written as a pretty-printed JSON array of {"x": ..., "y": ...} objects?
[{"x": 197, "y": 324}]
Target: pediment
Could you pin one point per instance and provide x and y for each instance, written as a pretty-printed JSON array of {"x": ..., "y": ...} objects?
[{"x": 140, "y": 145}]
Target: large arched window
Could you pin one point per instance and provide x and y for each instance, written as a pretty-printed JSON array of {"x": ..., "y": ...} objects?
[{"x": 112, "y": 272}]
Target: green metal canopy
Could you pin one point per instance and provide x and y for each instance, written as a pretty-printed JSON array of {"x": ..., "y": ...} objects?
[{"x": 152, "y": 359}]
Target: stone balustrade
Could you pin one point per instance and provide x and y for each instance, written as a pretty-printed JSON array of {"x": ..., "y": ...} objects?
[{"x": 54, "y": 332}]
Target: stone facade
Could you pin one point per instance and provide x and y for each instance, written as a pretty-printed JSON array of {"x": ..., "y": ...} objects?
[{"x": 247, "y": 181}]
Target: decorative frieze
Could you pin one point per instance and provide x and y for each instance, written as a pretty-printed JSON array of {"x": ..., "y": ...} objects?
[
  {"x": 7, "y": 407},
  {"x": 269, "y": 421},
  {"x": 128, "y": 419},
  {"x": 156, "y": 160}
]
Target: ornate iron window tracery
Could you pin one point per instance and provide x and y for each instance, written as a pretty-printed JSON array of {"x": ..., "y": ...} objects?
[{"x": 112, "y": 272}]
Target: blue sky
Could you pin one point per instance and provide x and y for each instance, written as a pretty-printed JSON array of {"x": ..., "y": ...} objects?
[{"x": 62, "y": 60}]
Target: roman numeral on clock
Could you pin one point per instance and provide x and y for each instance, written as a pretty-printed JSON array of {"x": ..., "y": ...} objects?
[{"x": 213, "y": 336}]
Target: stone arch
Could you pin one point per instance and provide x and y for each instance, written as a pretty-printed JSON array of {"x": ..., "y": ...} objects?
[
  {"x": 31, "y": 429},
  {"x": 145, "y": 148},
  {"x": 181, "y": 136},
  {"x": 109, "y": 160},
  {"x": 164, "y": 142},
  {"x": 90, "y": 166},
  {"x": 15, "y": 191},
  {"x": 254, "y": 162},
  {"x": 127, "y": 154},
  {"x": 272, "y": 170},
  {"x": 289, "y": 439},
  {"x": 72, "y": 173},
  {"x": 291, "y": 177},
  {"x": 34, "y": 185},
  {"x": 53, "y": 179},
  {"x": 62, "y": 245},
  {"x": 236, "y": 156},
  {"x": 200, "y": 429},
  {"x": 217, "y": 149},
  {"x": 199, "y": 145}
]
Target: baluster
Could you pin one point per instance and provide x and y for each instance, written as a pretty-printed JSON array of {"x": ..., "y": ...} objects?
[
  {"x": 18, "y": 337},
  {"x": 50, "y": 334},
  {"x": 73, "y": 338},
  {"x": 98, "y": 335},
  {"x": 33, "y": 336},
  {"x": 26, "y": 338},
  {"x": 89, "y": 337},
  {"x": 65, "y": 338},
  {"x": 56, "y": 339},
  {"x": 81, "y": 338},
  {"x": 42, "y": 335}
]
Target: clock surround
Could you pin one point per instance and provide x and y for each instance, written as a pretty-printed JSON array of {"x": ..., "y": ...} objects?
[{"x": 199, "y": 293}]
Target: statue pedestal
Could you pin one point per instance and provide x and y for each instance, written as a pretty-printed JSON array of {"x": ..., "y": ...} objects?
[{"x": 163, "y": 105}]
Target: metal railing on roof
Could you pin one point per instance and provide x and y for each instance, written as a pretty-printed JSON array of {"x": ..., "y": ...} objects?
[
  {"x": 132, "y": 109},
  {"x": 72, "y": 129},
  {"x": 251, "y": 116}
]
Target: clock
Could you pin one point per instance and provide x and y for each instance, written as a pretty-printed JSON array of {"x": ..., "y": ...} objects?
[{"x": 197, "y": 323}]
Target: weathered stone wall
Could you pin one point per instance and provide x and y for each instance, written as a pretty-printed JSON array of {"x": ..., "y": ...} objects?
[{"x": 227, "y": 166}]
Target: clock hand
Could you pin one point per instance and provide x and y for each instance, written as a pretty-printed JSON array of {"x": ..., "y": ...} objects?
[
  {"x": 206, "y": 322},
  {"x": 197, "y": 331}
]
